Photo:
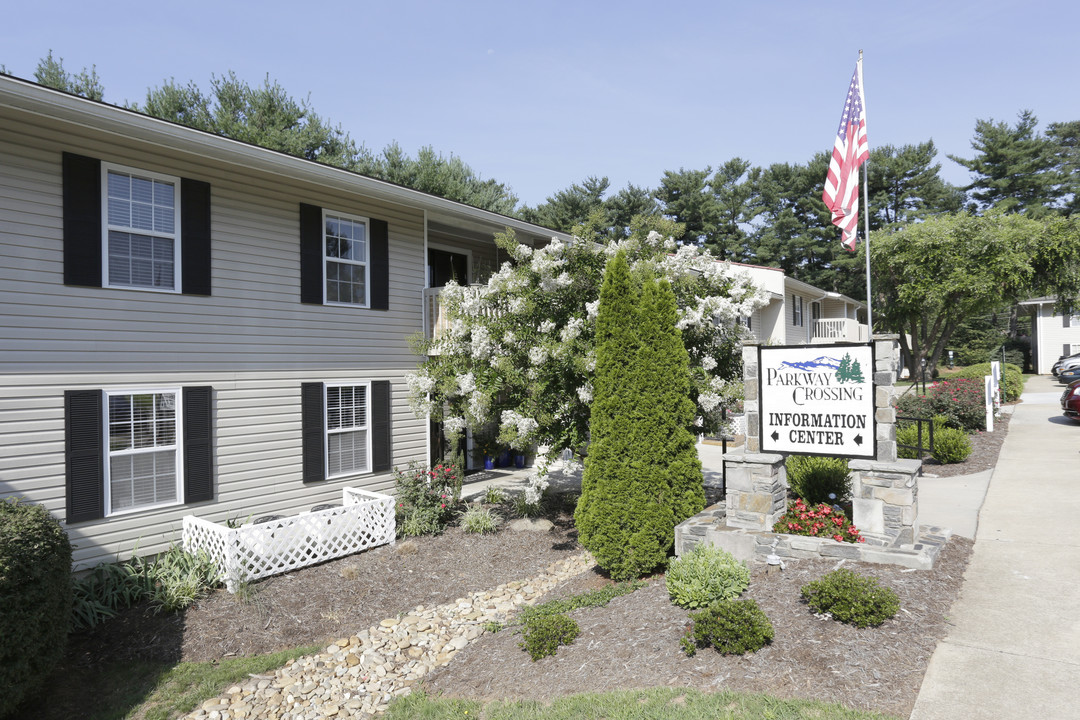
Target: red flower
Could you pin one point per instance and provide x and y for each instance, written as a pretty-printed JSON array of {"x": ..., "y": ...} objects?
[
  {"x": 862, "y": 539},
  {"x": 838, "y": 538}
]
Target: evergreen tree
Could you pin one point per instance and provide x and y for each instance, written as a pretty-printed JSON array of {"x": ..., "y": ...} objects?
[
  {"x": 844, "y": 370},
  {"x": 642, "y": 475},
  {"x": 50, "y": 72},
  {"x": 1015, "y": 168}
]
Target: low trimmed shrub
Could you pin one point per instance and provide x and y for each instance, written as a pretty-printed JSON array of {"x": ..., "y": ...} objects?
[
  {"x": 819, "y": 479},
  {"x": 479, "y": 520},
  {"x": 733, "y": 627},
  {"x": 543, "y": 634},
  {"x": 35, "y": 598},
  {"x": 822, "y": 520},
  {"x": 951, "y": 446},
  {"x": 704, "y": 575},
  {"x": 426, "y": 500},
  {"x": 851, "y": 598}
]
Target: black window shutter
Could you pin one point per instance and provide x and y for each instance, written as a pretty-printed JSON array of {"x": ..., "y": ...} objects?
[
  {"x": 380, "y": 265},
  {"x": 84, "y": 455},
  {"x": 311, "y": 254},
  {"x": 198, "y": 444},
  {"x": 82, "y": 220},
  {"x": 313, "y": 428},
  {"x": 381, "y": 435},
  {"x": 195, "y": 236}
]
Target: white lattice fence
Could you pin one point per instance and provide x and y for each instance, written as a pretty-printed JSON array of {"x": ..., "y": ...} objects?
[{"x": 365, "y": 519}]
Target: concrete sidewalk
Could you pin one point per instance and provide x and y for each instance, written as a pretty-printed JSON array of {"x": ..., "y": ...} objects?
[{"x": 1013, "y": 650}]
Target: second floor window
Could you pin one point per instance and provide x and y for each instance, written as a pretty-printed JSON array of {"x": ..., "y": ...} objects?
[
  {"x": 142, "y": 242},
  {"x": 796, "y": 310},
  {"x": 345, "y": 243}
]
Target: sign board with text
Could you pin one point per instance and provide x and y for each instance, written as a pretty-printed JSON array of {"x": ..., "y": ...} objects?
[{"x": 818, "y": 400}]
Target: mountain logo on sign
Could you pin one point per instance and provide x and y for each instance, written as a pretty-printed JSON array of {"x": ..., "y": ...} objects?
[{"x": 822, "y": 363}]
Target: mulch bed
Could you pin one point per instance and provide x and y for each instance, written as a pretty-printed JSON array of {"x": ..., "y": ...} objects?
[
  {"x": 985, "y": 447},
  {"x": 633, "y": 643}
]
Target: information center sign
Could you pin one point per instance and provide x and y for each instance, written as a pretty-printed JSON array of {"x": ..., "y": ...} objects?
[{"x": 817, "y": 400}]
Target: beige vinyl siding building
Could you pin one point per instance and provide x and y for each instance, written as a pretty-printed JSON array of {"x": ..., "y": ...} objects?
[
  {"x": 1052, "y": 334},
  {"x": 255, "y": 347}
]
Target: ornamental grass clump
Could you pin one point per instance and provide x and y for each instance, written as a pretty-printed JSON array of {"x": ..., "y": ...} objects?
[
  {"x": 479, "y": 520},
  {"x": 733, "y": 627},
  {"x": 704, "y": 575},
  {"x": 851, "y": 598},
  {"x": 819, "y": 479},
  {"x": 426, "y": 500},
  {"x": 820, "y": 520}
]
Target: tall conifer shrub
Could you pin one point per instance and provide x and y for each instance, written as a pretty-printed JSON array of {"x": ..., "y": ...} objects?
[{"x": 642, "y": 475}]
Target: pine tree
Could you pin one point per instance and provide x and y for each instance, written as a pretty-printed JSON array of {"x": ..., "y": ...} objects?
[
  {"x": 642, "y": 475},
  {"x": 856, "y": 375},
  {"x": 844, "y": 371}
]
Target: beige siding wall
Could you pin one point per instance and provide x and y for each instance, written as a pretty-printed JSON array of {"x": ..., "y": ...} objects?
[
  {"x": 796, "y": 334},
  {"x": 1053, "y": 336},
  {"x": 253, "y": 340}
]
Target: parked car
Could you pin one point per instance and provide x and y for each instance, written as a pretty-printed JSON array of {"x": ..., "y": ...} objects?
[
  {"x": 1070, "y": 400},
  {"x": 1068, "y": 373},
  {"x": 1063, "y": 361}
]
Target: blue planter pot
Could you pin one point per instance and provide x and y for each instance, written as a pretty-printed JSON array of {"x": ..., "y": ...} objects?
[
  {"x": 504, "y": 459},
  {"x": 489, "y": 462},
  {"x": 519, "y": 461}
]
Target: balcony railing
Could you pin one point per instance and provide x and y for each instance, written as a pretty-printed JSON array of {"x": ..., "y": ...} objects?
[
  {"x": 436, "y": 319},
  {"x": 835, "y": 330}
]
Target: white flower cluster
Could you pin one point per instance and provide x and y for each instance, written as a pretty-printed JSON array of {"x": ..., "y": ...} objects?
[
  {"x": 708, "y": 401},
  {"x": 481, "y": 342},
  {"x": 419, "y": 383},
  {"x": 454, "y": 425},
  {"x": 517, "y": 304},
  {"x": 584, "y": 393},
  {"x": 546, "y": 327},
  {"x": 592, "y": 308},
  {"x": 478, "y": 406},
  {"x": 538, "y": 354},
  {"x": 534, "y": 493},
  {"x": 708, "y": 363},
  {"x": 573, "y": 329},
  {"x": 551, "y": 284},
  {"x": 466, "y": 383},
  {"x": 521, "y": 425}
]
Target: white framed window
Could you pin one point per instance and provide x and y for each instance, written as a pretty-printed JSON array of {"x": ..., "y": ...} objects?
[
  {"x": 348, "y": 429},
  {"x": 141, "y": 234},
  {"x": 796, "y": 310},
  {"x": 143, "y": 452},
  {"x": 345, "y": 259}
]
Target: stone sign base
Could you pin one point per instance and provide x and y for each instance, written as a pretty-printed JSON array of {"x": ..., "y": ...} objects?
[{"x": 711, "y": 527}]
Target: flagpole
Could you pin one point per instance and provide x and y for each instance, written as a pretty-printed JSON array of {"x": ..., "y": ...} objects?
[{"x": 866, "y": 209}]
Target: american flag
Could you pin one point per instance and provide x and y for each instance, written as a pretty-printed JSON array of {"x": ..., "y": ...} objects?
[{"x": 850, "y": 151}]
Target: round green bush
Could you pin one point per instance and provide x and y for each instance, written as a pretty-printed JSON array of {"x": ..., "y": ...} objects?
[
  {"x": 35, "y": 598},
  {"x": 1012, "y": 378},
  {"x": 543, "y": 634},
  {"x": 704, "y": 575},
  {"x": 951, "y": 445},
  {"x": 733, "y": 627},
  {"x": 819, "y": 479},
  {"x": 851, "y": 598}
]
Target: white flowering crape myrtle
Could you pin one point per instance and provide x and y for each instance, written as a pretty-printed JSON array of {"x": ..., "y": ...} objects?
[{"x": 519, "y": 356}]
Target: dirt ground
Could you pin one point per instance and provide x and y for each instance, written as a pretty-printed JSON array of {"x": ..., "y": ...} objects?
[{"x": 632, "y": 643}]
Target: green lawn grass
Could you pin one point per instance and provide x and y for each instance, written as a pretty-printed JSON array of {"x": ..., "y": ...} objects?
[{"x": 653, "y": 704}]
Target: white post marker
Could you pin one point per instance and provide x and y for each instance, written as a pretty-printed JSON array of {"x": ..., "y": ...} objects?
[
  {"x": 988, "y": 384},
  {"x": 995, "y": 372}
]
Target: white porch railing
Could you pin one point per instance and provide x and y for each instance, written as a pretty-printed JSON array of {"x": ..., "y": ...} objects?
[
  {"x": 839, "y": 330},
  {"x": 365, "y": 519},
  {"x": 436, "y": 321}
]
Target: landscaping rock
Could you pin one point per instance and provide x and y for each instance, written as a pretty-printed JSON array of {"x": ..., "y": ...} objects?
[{"x": 359, "y": 675}]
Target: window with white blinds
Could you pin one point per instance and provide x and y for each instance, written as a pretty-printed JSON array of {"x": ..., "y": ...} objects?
[
  {"x": 348, "y": 437},
  {"x": 144, "y": 454}
]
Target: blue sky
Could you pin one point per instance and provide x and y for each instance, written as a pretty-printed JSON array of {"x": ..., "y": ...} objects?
[{"x": 541, "y": 95}]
